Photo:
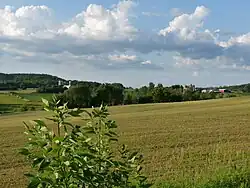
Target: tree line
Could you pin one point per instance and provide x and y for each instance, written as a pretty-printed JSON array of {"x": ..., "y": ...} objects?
[
  {"x": 88, "y": 94},
  {"x": 44, "y": 81},
  {"x": 24, "y": 81}
]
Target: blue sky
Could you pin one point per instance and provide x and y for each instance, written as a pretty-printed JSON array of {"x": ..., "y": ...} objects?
[{"x": 133, "y": 42}]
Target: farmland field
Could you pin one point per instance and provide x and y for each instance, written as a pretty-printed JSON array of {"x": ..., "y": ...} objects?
[
  {"x": 21, "y": 100},
  {"x": 7, "y": 99},
  {"x": 181, "y": 142},
  {"x": 9, "y": 103},
  {"x": 36, "y": 97}
]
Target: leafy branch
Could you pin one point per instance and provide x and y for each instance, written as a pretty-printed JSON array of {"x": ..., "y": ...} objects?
[{"x": 82, "y": 157}]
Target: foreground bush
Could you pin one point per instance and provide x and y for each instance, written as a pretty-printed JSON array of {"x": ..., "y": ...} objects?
[{"x": 79, "y": 156}]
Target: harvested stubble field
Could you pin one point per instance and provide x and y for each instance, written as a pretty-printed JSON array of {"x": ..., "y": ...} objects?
[{"x": 181, "y": 142}]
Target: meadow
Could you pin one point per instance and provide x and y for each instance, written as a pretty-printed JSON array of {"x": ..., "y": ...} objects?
[
  {"x": 21, "y": 100},
  {"x": 184, "y": 144}
]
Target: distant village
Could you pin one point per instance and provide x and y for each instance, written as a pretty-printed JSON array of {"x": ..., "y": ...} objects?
[{"x": 210, "y": 90}]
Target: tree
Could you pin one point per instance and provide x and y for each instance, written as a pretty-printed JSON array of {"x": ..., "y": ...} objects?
[
  {"x": 81, "y": 156},
  {"x": 77, "y": 96},
  {"x": 247, "y": 88},
  {"x": 158, "y": 94},
  {"x": 117, "y": 93},
  {"x": 176, "y": 95},
  {"x": 188, "y": 95},
  {"x": 151, "y": 86},
  {"x": 128, "y": 99}
]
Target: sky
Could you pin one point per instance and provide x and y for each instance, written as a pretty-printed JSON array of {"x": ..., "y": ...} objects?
[{"x": 206, "y": 43}]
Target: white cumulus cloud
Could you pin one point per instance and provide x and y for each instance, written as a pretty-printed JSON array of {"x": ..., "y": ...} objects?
[
  {"x": 186, "y": 25},
  {"x": 96, "y": 22},
  {"x": 99, "y": 37},
  {"x": 25, "y": 21}
]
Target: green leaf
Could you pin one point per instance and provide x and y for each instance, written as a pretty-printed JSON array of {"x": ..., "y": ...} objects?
[
  {"x": 52, "y": 119},
  {"x": 67, "y": 123},
  {"x": 75, "y": 112},
  {"x": 42, "y": 143},
  {"x": 84, "y": 154},
  {"x": 29, "y": 175},
  {"x": 24, "y": 151},
  {"x": 49, "y": 149},
  {"x": 60, "y": 139},
  {"x": 33, "y": 143},
  {"x": 37, "y": 161},
  {"x": 44, "y": 164},
  {"x": 87, "y": 112},
  {"x": 46, "y": 109},
  {"x": 88, "y": 139},
  {"x": 40, "y": 122},
  {"x": 58, "y": 102},
  {"x": 34, "y": 183},
  {"x": 113, "y": 139},
  {"x": 112, "y": 125},
  {"x": 26, "y": 125},
  {"x": 45, "y": 102},
  {"x": 113, "y": 133},
  {"x": 133, "y": 155},
  {"x": 139, "y": 168},
  {"x": 108, "y": 134}
]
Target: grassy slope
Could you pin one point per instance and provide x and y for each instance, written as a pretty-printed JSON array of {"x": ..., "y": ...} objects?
[
  {"x": 36, "y": 97},
  {"x": 10, "y": 104},
  {"x": 6, "y": 99},
  {"x": 181, "y": 142}
]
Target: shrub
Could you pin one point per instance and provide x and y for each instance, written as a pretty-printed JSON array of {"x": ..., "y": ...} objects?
[{"x": 79, "y": 156}]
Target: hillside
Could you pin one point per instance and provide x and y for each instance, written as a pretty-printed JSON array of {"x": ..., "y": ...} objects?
[{"x": 20, "y": 80}]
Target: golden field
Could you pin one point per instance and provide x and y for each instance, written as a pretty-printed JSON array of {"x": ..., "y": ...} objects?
[{"x": 190, "y": 141}]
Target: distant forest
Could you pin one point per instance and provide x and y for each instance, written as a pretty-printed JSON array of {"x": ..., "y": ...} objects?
[
  {"x": 87, "y": 94},
  {"x": 25, "y": 80}
]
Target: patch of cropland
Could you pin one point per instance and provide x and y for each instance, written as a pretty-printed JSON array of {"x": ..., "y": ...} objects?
[
  {"x": 184, "y": 144},
  {"x": 36, "y": 97},
  {"x": 12, "y": 102}
]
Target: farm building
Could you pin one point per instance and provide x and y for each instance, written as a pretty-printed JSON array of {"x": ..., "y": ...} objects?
[
  {"x": 224, "y": 91},
  {"x": 60, "y": 83}
]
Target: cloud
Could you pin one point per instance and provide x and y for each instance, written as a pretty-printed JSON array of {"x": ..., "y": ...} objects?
[
  {"x": 98, "y": 30},
  {"x": 176, "y": 12},
  {"x": 186, "y": 25},
  {"x": 102, "y": 38},
  {"x": 100, "y": 23},
  {"x": 124, "y": 62},
  {"x": 180, "y": 61},
  {"x": 122, "y": 57},
  {"x": 147, "y": 62},
  {"x": 25, "y": 21},
  {"x": 154, "y": 14}
]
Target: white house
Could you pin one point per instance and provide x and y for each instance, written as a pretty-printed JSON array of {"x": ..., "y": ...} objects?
[
  {"x": 68, "y": 86},
  {"x": 60, "y": 83}
]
